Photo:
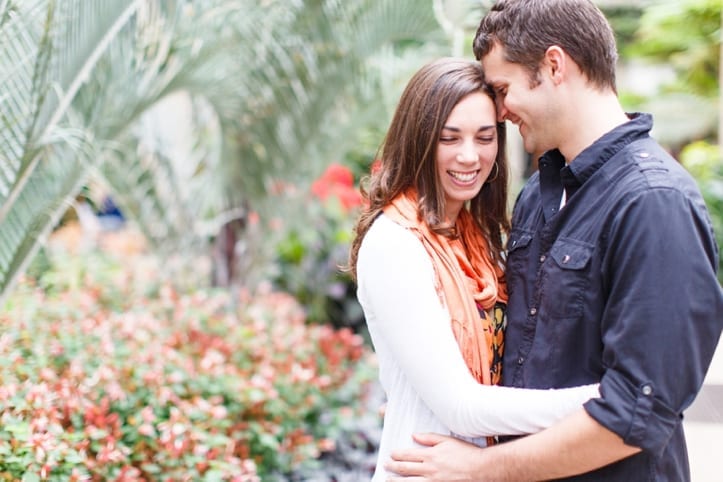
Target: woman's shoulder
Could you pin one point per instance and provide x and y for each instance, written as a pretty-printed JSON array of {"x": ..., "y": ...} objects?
[
  {"x": 389, "y": 244},
  {"x": 386, "y": 234}
]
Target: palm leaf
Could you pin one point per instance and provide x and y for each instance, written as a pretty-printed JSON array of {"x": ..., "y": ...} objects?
[
  {"x": 56, "y": 70},
  {"x": 288, "y": 84},
  {"x": 280, "y": 80},
  {"x": 49, "y": 49},
  {"x": 42, "y": 201},
  {"x": 307, "y": 81}
]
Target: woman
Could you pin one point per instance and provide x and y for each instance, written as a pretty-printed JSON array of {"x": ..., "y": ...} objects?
[{"x": 427, "y": 257}]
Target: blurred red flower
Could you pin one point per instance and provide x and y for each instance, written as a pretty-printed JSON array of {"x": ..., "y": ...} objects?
[
  {"x": 376, "y": 166},
  {"x": 337, "y": 182}
]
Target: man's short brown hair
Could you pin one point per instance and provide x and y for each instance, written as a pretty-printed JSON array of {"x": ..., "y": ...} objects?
[{"x": 527, "y": 28}]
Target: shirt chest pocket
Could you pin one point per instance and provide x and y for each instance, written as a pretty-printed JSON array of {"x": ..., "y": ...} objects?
[
  {"x": 518, "y": 258},
  {"x": 566, "y": 278}
]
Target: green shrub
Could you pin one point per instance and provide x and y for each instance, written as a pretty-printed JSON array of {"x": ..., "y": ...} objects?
[
  {"x": 312, "y": 248},
  {"x": 704, "y": 162}
]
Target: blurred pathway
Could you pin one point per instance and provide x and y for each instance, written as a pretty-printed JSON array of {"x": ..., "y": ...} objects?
[{"x": 703, "y": 424}]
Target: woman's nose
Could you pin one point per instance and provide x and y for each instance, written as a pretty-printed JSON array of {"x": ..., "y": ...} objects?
[{"x": 468, "y": 156}]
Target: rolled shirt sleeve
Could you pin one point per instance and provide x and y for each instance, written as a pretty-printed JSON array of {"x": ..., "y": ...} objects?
[{"x": 663, "y": 318}]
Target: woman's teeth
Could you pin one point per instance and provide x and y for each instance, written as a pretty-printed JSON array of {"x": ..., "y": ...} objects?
[{"x": 463, "y": 176}]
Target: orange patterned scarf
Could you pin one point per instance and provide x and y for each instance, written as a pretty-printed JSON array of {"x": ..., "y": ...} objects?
[{"x": 466, "y": 278}]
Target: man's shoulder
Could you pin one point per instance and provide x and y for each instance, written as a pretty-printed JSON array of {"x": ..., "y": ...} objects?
[{"x": 647, "y": 168}]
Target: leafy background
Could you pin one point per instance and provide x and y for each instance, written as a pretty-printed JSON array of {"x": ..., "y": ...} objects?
[{"x": 216, "y": 147}]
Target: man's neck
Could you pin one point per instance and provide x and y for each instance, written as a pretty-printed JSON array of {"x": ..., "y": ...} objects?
[{"x": 596, "y": 113}]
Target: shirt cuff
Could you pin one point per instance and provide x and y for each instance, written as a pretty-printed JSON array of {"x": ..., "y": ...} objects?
[{"x": 634, "y": 412}]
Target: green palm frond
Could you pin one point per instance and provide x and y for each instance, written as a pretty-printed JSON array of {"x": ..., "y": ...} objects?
[
  {"x": 287, "y": 85},
  {"x": 49, "y": 48},
  {"x": 309, "y": 79},
  {"x": 154, "y": 187},
  {"x": 43, "y": 200},
  {"x": 48, "y": 65},
  {"x": 144, "y": 186}
]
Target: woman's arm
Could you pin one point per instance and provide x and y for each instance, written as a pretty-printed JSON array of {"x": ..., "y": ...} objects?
[{"x": 396, "y": 284}]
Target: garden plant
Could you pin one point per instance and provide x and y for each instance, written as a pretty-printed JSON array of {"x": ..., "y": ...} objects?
[{"x": 110, "y": 372}]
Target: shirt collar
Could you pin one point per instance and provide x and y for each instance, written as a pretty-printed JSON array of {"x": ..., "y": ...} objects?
[{"x": 555, "y": 174}]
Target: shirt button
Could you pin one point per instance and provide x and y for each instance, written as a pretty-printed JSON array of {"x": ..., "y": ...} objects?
[
  {"x": 543, "y": 258},
  {"x": 521, "y": 360},
  {"x": 565, "y": 259},
  {"x": 647, "y": 390},
  {"x": 533, "y": 311}
]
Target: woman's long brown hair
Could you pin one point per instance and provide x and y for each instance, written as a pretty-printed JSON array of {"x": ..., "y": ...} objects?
[{"x": 408, "y": 153}]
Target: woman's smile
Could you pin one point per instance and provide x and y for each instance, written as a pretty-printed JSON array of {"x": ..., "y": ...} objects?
[{"x": 464, "y": 178}]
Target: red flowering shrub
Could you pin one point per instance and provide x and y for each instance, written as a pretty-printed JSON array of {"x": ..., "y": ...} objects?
[
  {"x": 109, "y": 374},
  {"x": 337, "y": 182},
  {"x": 313, "y": 245}
]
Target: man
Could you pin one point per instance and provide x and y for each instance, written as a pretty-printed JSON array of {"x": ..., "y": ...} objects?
[{"x": 611, "y": 266}]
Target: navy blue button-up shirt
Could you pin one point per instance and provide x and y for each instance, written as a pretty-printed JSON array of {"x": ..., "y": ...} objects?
[{"x": 618, "y": 286}]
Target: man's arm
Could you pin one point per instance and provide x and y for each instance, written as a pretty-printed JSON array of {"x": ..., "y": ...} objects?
[
  {"x": 411, "y": 329},
  {"x": 576, "y": 445}
]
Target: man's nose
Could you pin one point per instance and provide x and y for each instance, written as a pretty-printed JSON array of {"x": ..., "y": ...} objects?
[{"x": 502, "y": 112}]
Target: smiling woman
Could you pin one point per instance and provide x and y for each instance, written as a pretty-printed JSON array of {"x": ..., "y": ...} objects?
[
  {"x": 466, "y": 151},
  {"x": 427, "y": 258}
]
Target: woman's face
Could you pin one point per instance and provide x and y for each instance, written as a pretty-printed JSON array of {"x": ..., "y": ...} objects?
[{"x": 466, "y": 150}]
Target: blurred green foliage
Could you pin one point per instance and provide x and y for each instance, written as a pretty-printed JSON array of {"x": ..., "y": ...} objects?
[
  {"x": 705, "y": 163},
  {"x": 312, "y": 246},
  {"x": 686, "y": 35}
]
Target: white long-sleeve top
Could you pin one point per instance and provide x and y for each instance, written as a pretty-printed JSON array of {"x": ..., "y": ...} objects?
[{"x": 427, "y": 383}]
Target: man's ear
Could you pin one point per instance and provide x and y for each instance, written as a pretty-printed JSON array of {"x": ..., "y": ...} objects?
[{"x": 555, "y": 62}]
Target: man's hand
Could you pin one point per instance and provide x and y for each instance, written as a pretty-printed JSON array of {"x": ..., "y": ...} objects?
[
  {"x": 442, "y": 459},
  {"x": 575, "y": 445}
]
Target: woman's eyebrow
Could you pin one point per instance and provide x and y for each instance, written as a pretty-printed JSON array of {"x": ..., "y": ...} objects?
[{"x": 457, "y": 129}]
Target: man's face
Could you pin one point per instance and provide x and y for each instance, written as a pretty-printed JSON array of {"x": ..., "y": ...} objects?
[{"x": 527, "y": 103}]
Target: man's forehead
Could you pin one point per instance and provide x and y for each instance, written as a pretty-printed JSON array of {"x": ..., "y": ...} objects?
[
  {"x": 495, "y": 56},
  {"x": 497, "y": 68}
]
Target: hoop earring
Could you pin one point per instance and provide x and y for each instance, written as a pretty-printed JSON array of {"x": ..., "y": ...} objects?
[{"x": 497, "y": 173}]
